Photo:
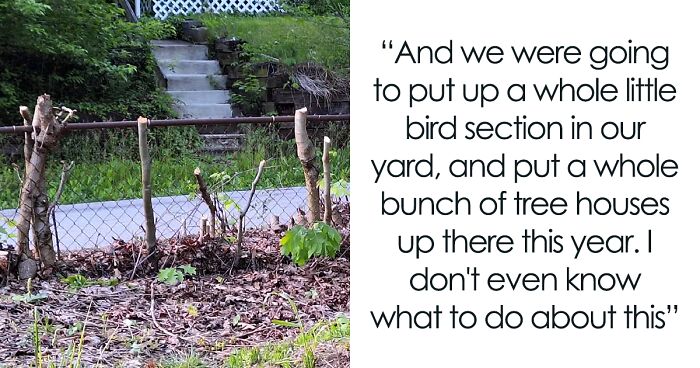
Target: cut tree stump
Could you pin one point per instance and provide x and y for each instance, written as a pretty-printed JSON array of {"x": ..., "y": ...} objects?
[
  {"x": 147, "y": 192},
  {"x": 307, "y": 157},
  {"x": 327, "y": 203},
  {"x": 34, "y": 202}
]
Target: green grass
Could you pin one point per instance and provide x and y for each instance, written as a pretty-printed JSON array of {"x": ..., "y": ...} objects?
[
  {"x": 121, "y": 178},
  {"x": 286, "y": 354},
  {"x": 72, "y": 357},
  {"x": 290, "y": 40},
  {"x": 188, "y": 361}
]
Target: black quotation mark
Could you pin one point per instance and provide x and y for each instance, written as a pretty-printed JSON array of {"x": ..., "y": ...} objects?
[{"x": 391, "y": 45}]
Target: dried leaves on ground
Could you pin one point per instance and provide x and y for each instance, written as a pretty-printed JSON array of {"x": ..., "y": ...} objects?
[{"x": 134, "y": 322}]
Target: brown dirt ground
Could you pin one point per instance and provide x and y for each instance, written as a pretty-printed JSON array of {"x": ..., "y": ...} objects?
[{"x": 210, "y": 314}]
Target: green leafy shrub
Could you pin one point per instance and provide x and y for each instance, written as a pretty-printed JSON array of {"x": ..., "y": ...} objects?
[
  {"x": 77, "y": 281},
  {"x": 83, "y": 53},
  {"x": 339, "y": 8},
  {"x": 301, "y": 243},
  {"x": 248, "y": 92},
  {"x": 175, "y": 275}
]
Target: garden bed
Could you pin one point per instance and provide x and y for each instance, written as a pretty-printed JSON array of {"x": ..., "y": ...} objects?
[{"x": 220, "y": 317}]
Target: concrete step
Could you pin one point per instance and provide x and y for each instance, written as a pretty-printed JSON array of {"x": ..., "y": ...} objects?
[
  {"x": 189, "y": 66},
  {"x": 204, "y": 111},
  {"x": 195, "y": 82},
  {"x": 178, "y": 50},
  {"x": 200, "y": 97},
  {"x": 221, "y": 143}
]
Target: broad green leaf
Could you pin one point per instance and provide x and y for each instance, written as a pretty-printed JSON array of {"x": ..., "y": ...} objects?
[{"x": 188, "y": 270}]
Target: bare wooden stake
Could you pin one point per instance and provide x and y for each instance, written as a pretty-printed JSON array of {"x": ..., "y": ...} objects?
[
  {"x": 207, "y": 199},
  {"x": 65, "y": 174},
  {"x": 183, "y": 228},
  {"x": 147, "y": 192},
  {"x": 241, "y": 216},
  {"x": 28, "y": 140},
  {"x": 307, "y": 156},
  {"x": 203, "y": 229},
  {"x": 327, "y": 204}
]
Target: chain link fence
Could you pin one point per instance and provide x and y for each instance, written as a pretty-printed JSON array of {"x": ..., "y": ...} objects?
[{"x": 93, "y": 181}]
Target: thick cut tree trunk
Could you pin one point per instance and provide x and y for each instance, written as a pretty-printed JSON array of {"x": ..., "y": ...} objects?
[
  {"x": 23, "y": 247},
  {"x": 42, "y": 226},
  {"x": 307, "y": 156},
  {"x": 34, "y": 200}
]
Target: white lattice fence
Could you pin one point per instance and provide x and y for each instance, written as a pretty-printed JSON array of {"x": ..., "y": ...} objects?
[{"x": 165, "y": 8}]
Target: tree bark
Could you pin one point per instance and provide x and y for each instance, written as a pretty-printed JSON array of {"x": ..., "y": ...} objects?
[
  {"x": 146, "y": 191},
  {"x": 34, "y": 203},
  {"x": 28, "y": 140},
  {"x": 241, "y": 216},
  {"x": 327, "y": 203},
  {"x": 307, "y": 157},
  {"x": 207, "y": 199},
  {"x": 65, "y": 174},
  {"x": 42, "y": 226},
  {"x": 31, "y": 177}
]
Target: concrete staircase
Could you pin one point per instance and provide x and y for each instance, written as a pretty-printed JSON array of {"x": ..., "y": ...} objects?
[{"x": 198, "y": 88}]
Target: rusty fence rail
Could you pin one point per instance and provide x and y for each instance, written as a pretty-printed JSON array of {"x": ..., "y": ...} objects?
[
  {"x": 183, "y": 122},
  {"x": 81, "y": 224}
]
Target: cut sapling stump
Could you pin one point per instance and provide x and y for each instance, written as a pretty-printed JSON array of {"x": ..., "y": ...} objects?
[
  {"x": 307, "y": 157},
  {"x": 241, "y": 216},
  {"x": 150, "y": 225},
  {"x": 207, "y": 199},
  {"x": 327, "y": 204}
]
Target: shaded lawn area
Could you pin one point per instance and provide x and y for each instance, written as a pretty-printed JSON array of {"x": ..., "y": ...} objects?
[{"x": 119, "y": 178}]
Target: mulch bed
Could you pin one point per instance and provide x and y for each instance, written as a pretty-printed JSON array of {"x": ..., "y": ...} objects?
[{"x": 141, "y": 320}]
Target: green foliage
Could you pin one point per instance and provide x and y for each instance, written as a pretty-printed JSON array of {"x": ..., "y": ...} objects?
[
  {"x": 340, "y": 8},
  {"x": 120, "y": 178},
  {"x": 29, "y": 297},
  {"x": 339, "y": 187},
  {"x": 301, "y": 243},
  {"x": 83, "y": 53},
  {"x": 290, "y": 40},
  {"x": 175, "y": 275},
  {"x": 77, "y": 281},
  {"x": 6, "y": 228},
  {"x": 100, "y": 145},
  {"x": 248, "y": 92},
  {"x": 307, "y": 340},
  {"x": 189, "y": 361},
  {"x": 72, "y": 357}
]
